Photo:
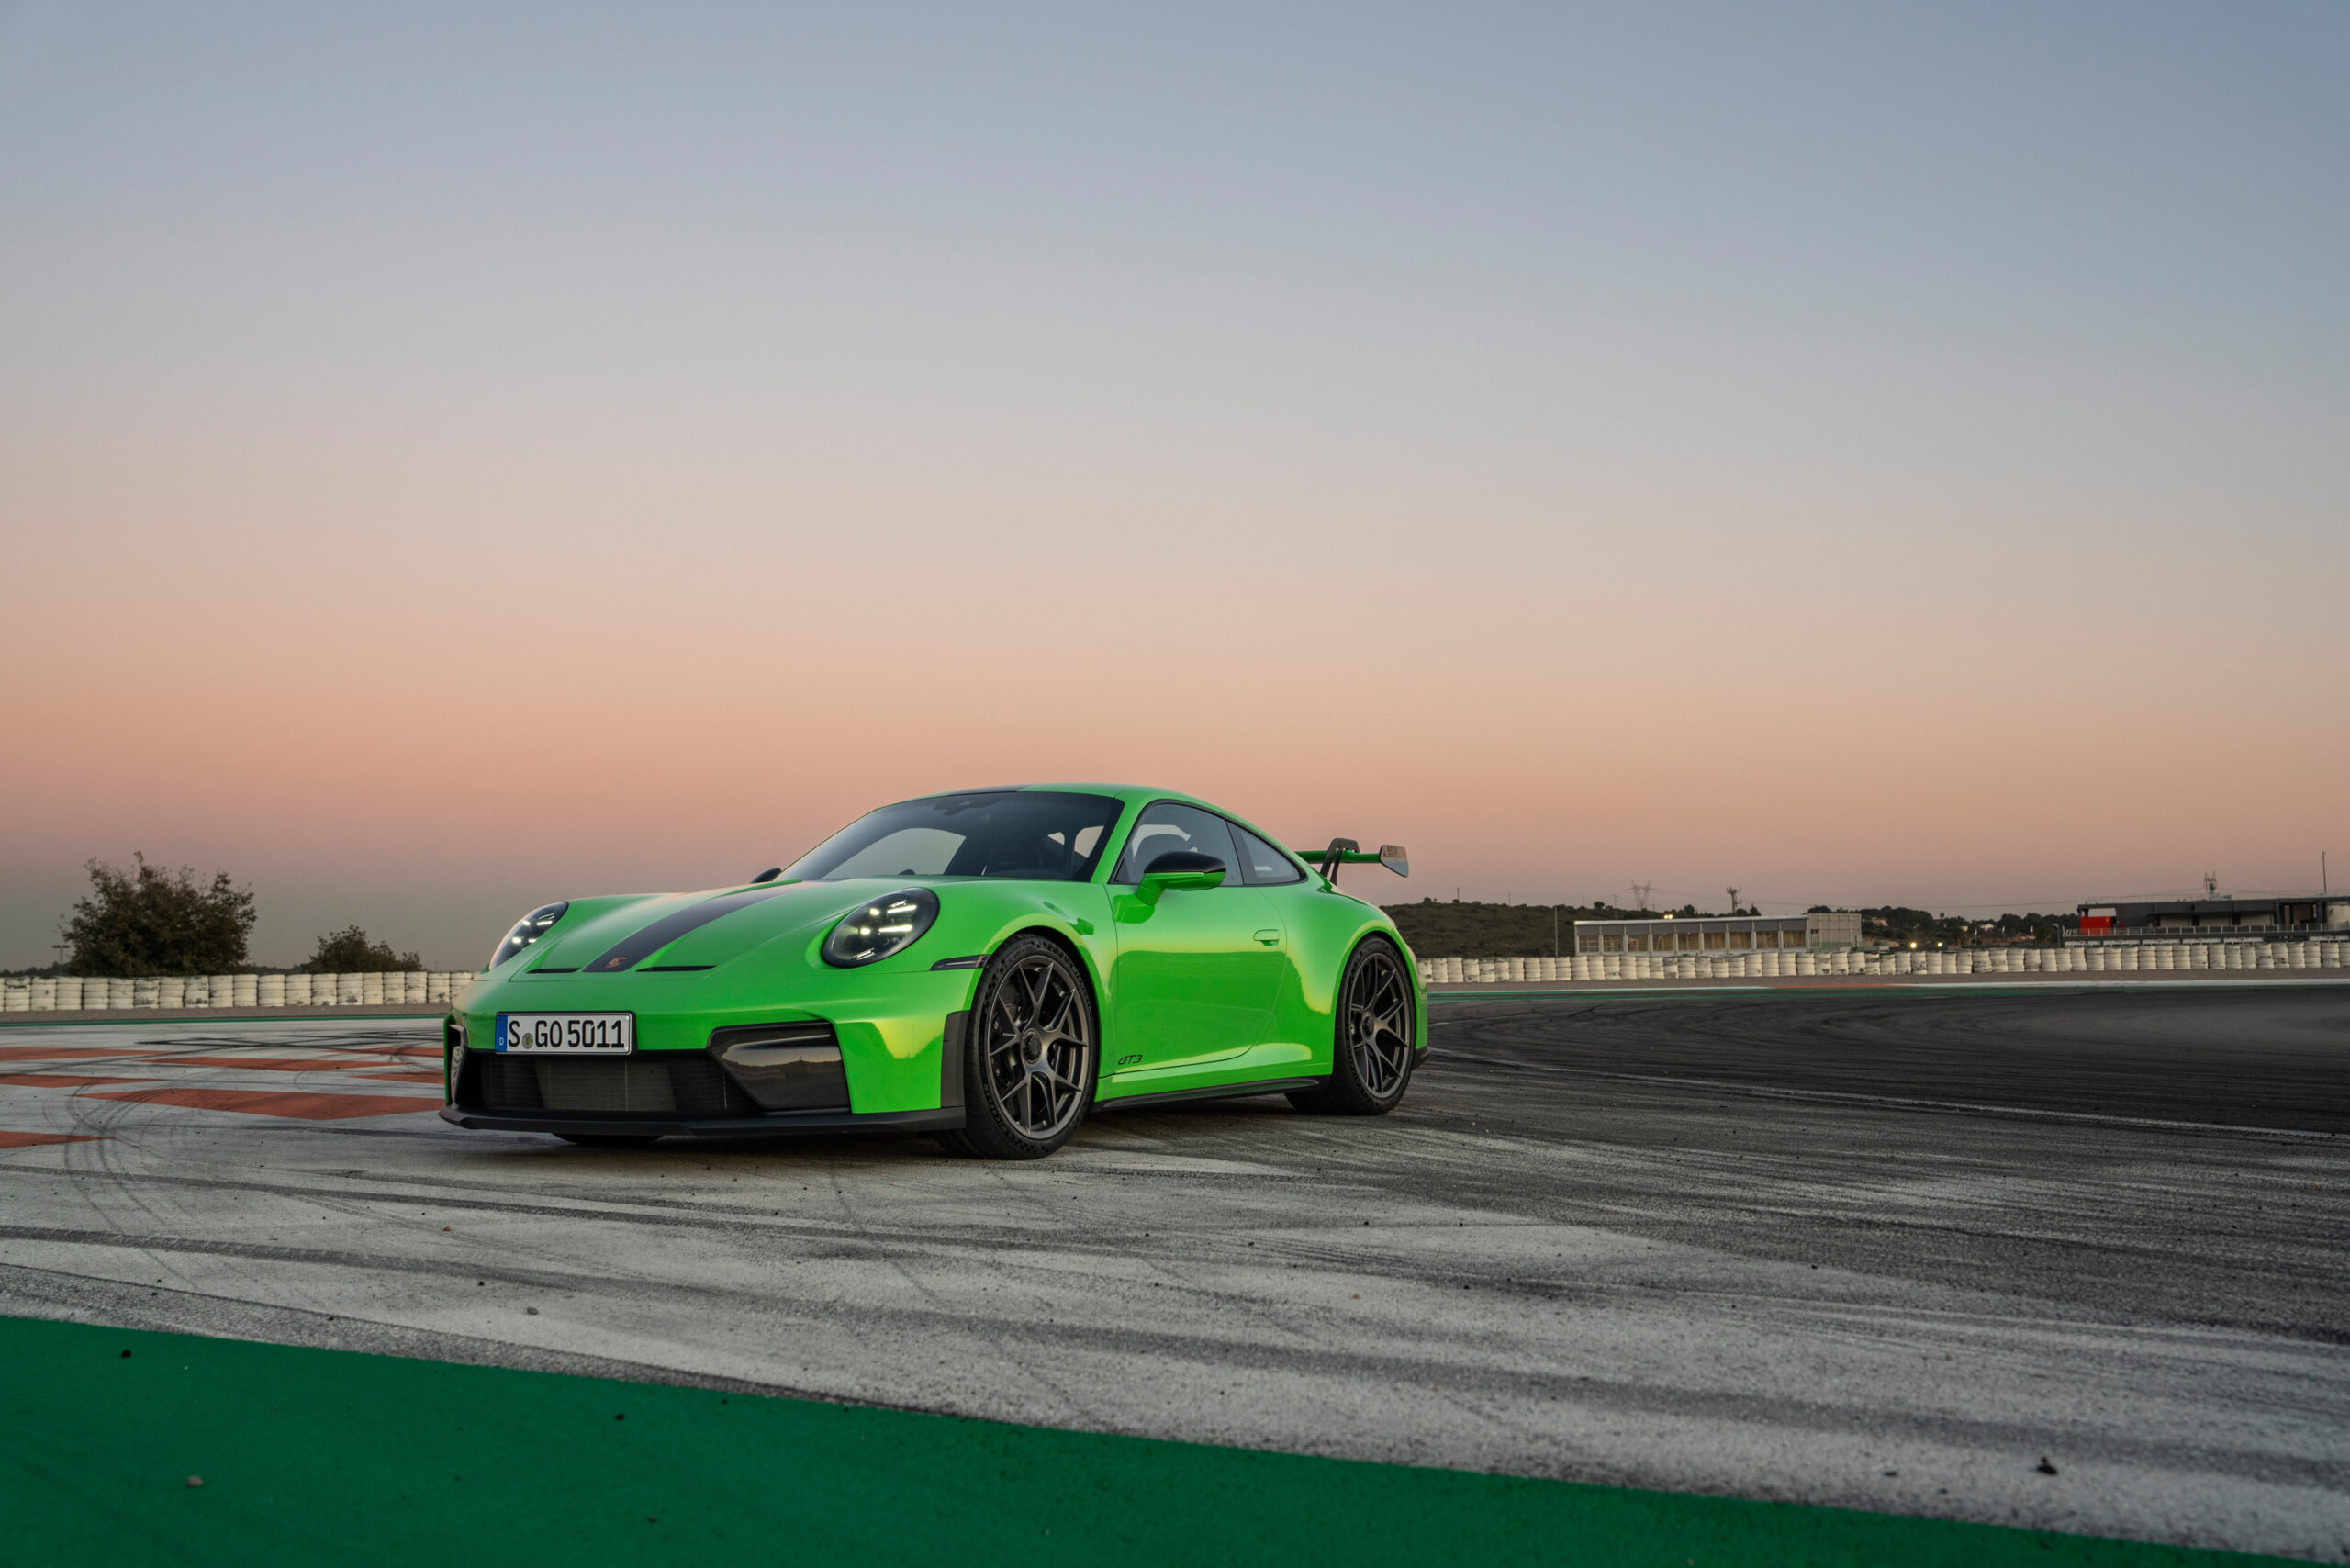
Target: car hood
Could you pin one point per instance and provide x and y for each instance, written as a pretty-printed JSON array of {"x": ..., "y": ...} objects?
[{"x": 698, "y": 930}]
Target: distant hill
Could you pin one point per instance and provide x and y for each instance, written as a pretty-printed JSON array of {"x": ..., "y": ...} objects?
[{"x": 1457, "y": 930}]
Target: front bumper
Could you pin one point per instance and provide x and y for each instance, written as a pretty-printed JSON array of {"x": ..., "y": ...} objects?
[
  {"x": 777, "y": 1078},
  {"x": 888, "y": 1028}
]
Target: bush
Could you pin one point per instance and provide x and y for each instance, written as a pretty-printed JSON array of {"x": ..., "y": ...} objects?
[
  {"x": 348, "y": 951},
  {"x": 148, "y": 922}
]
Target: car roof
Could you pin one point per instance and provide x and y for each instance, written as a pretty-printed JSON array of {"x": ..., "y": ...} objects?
[
  {"x": 1132, "y": 794},
  {"x": 1124, "y": 791},
  {"x": 1127, "y": 792}
]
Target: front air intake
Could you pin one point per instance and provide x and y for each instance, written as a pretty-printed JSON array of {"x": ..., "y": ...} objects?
[
  {"x": 676, "y": 1084},
  {"x": 785, "y": 1067}
]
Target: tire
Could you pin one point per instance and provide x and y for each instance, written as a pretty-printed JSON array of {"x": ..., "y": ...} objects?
[
  {"x": 1031, "y": 1055},
  {"x": 1371, "y": 1057},
  {"x": 610, "y": 1140}
]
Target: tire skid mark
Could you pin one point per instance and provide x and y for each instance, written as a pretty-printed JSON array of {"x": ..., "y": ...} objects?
[
  {"x": 1901, "y": 1103},
  {"x": 1535, "y": 1383},
  {"x": 127, "y": 1307}
]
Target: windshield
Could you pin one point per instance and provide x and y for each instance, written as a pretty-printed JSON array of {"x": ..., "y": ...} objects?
[{"x": 1037, "y": 835}]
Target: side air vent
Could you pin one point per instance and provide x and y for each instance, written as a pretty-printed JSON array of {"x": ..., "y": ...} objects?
[{"x": 784, "y": 1067}]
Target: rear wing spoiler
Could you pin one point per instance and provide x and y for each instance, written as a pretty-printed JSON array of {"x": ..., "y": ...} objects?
[{"x": 1347, "y": 852}]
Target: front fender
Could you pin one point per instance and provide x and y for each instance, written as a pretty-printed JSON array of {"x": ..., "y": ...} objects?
[{"x": 983, "y": 916}]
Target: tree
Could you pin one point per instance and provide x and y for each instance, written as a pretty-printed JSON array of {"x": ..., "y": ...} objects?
[
  {"x": 150, "y": 922},
  {"x": 348, "y": 951}
]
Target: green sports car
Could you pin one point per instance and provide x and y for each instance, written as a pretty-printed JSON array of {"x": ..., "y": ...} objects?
[{"x": 987, "y": 966}]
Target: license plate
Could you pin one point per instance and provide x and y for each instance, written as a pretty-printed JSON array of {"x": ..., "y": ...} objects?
[{"x": 567, "y": 1034}]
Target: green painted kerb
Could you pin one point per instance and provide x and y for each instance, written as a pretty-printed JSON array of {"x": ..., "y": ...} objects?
[{"x": 313, "y": 1456}]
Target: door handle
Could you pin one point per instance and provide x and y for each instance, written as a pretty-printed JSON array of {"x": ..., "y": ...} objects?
[{"x": 1270, "y": 938}]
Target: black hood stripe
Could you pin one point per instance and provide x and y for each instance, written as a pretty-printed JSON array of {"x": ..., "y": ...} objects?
[{"x": 634, "y": 950}]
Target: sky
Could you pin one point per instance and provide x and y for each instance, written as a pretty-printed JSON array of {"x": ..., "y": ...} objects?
[{"x": 455, "y": 457}]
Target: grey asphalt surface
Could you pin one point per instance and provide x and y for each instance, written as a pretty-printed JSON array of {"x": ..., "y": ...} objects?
[{"x": 1882, "y": 1250}]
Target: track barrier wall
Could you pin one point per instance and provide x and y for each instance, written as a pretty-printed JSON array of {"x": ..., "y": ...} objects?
[
  {"x": 70, "y": 994},
  {"x": 76, "y": 993},
  {"x": 2314, "y": 953}
]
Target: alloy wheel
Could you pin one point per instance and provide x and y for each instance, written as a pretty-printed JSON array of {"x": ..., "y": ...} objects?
[
  {"x": 1038, "y": 1042},
  {"x": 1378, "y": 1013}
]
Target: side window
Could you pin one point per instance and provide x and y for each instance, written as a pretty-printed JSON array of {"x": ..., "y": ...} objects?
[
  {"x": 1168, "y": 826},
  {"x": 1267, "y": 866}
]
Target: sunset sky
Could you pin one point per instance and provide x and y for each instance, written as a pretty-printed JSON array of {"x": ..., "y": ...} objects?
[{"x": 455, "y": 457}]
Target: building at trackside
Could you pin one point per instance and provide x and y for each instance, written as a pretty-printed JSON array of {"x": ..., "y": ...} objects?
[
  {"x": 2266, "y": 915},
  {"x": 1728, "y": 934}
]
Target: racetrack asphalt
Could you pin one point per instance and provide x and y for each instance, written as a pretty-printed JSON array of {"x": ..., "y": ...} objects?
[{"x": 1898, "y": 1251}]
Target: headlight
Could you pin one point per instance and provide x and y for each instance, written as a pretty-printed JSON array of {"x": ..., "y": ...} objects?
[
  {"x": 527, "y": 930},
  {"x": 872, "y": 932}
]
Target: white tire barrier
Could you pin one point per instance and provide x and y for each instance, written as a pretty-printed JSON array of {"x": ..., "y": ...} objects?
[
  {"x": 68, "y": 993},
  {"x": 2296, "y": 953},
  {"x": 76, "y": 993}
]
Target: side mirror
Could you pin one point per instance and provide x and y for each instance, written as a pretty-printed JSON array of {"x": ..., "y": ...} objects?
[
  {"x": 1179, "y": 871},
  {"x": 769, "y": 875},
  {"x": 1392, "y": 856}
]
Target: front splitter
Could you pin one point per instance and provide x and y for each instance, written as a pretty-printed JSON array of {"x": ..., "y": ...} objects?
[{"x": 775, "y": 1122}]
